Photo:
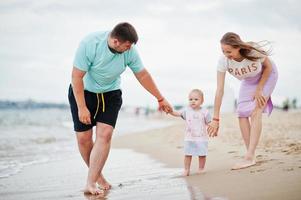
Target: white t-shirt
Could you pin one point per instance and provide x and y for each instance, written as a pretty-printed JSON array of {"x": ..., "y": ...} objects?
[
  {"x": 196, "y": 122},
  {"x": 243, "y": 69}
]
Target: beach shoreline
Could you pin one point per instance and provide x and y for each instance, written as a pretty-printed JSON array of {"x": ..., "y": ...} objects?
[
  {"x": 156, "y": 167},
  {"x": 277, "y": 174}
]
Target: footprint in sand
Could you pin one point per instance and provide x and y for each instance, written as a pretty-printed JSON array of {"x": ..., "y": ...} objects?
[
  {"x": 261, "y": 159},
  {"x": 289, "y": 169},
  {"x": 258, "y": 170},
  {"x": 260, "y": 162},
  {"x": 292, "y": 148}
]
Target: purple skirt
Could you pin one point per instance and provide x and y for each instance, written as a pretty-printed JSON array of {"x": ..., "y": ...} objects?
[{"x": 246, "y": 102}]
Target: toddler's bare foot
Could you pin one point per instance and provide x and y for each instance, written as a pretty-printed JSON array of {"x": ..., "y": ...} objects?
[
  {"x": 201, "y": 171},
  {"x": 186, "y": 172},
  {"x": 103, "y": 183},
  {"x": 244, "y": 164},
  {"x": 92, "y": 189}
]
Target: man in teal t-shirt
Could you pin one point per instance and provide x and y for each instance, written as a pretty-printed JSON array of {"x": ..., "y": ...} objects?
[{"x": 95, "y": 97}]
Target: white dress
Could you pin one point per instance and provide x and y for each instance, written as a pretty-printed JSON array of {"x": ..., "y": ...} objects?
[{"x": 196, "y": 136}]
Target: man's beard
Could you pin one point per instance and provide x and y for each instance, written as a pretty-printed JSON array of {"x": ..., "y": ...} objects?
[{"x": 114, "y": 51}]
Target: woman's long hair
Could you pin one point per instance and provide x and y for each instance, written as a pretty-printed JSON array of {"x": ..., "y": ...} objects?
[{"x": 234, "y": 40}]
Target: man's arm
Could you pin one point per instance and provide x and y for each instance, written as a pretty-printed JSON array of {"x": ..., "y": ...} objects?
[
  {"x": 175, "y": 114},
  {"x": 78, "y": 90},
  {"x": 148, "y": 83}
]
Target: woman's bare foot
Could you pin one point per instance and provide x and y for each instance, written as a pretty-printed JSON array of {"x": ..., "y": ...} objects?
[
  {"x": 92, "y": 189},
  {"x": 103, "y": 183},
  {"x": 186, "y": 172},
  {"x": 244, "y": 164}
]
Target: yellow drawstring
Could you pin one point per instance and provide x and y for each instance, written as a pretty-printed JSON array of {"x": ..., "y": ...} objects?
[
  {"x": 103, "y": 104},
  {"x": 97, "y": 105}
]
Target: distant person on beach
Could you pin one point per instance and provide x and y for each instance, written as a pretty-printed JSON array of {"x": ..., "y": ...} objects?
[
  {"x": 248, "y": 62},
  {"x": 196, "y": 136},
  {"x": 95, "y": 96}
]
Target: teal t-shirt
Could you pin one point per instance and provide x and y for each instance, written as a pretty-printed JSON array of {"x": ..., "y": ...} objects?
[{"x": 102, "y": 67}]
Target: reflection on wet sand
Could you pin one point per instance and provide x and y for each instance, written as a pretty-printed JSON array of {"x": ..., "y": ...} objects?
[
  {"x": 194, "y": 194},
  {"x": 132, "y": 175},
  {"x": 136, "y": 176},
  {"x": 102, "y": 196}
]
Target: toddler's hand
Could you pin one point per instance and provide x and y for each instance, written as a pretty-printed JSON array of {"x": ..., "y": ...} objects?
[
  {"x": 165, "y": 106},
  {"x": 213, "y": 128}
]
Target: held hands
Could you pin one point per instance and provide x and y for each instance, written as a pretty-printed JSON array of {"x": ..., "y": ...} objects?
[
  {"x": 84, "y": 115},
  {"x": 164, "y": 106},
  {"x": 260, "y": 99},
  {"x": 213, "y": 128}
]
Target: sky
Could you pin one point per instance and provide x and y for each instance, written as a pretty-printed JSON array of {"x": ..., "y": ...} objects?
[{"x": 178, "y": 43}]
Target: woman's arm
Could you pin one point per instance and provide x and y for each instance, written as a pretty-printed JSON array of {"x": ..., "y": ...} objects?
[
  {"x": 267, "y": 69},
  {"x": 219, "y": 93},
  {"x": 214, "y": 124}
]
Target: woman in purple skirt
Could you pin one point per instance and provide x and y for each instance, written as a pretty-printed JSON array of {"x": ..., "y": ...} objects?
[{"x": 258, "y": 74}]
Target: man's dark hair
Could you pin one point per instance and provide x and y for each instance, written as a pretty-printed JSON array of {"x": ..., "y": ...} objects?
[{"x": 125, "y": 32}]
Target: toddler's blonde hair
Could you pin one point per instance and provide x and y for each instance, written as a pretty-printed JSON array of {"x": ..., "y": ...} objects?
[{"x": 199, "y": 92}]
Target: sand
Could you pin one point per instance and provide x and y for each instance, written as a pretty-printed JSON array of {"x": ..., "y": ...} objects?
[{"x": 277, "y": 174}]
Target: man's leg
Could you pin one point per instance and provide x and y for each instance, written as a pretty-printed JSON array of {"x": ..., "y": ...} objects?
[
  {"x": 99, "y": 155},
  {"x": 85, "y": 145}
]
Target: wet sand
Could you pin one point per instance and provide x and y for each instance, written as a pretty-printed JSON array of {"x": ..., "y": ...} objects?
[
  {"x": 132, "y": 175},
  {"x": 277, "y": 174}
]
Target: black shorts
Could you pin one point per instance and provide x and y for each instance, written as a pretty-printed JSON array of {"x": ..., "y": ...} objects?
[{"x": 103, "y": 107}]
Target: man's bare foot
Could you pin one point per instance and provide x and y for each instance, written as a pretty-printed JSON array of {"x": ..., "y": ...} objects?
[
  {"x": 201, "y": 171},
  {"x": 92, "y": 189},
  {"x": 244, "y": 164},
  {"x": 186, "y": 172},
  {"x": 103, "y": 183}
]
